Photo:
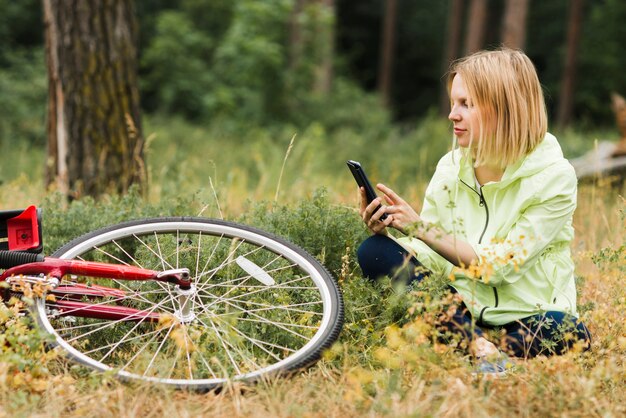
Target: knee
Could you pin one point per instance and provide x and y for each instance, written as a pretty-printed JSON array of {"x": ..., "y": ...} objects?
[
  {"x": 370, "y": 249},
  {"x": 568, "y": 323},
  {"x": 378, "y": 257}
]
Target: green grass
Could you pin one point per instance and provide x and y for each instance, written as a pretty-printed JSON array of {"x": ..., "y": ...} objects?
[{"x": 386, "y": 362}]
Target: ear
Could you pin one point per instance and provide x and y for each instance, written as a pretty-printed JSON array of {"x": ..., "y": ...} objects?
[{"x": 617, "y": 102}]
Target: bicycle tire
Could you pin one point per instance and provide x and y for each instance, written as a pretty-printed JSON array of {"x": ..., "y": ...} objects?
[{"x": 246, "y": 331}]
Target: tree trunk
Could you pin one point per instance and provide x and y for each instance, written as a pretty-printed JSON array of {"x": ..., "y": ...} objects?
[
  {"x": 514, "y": 24},
  {"x": 566, "y": 99},
  {"x": 455, "y": 21},
  {"x": 95, "y": 143},
  {"x": 388, "y": 44},
  {"x": 326, "y": 47},
  {"x": 476, "y": 22},
  {"x": 311, "y": 35},
  {"x": 295, "y": 35}
]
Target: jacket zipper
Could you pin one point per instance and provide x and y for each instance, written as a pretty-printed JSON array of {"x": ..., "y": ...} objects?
[{"x": 483, "y": 203}]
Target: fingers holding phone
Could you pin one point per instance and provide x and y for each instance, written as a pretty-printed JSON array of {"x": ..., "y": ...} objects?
[
  {"x": 374, "y": 215},
  {"x": 402, "y": 212}
]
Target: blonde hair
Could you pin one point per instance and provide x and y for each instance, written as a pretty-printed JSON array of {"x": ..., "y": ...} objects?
[{"x": 504, "y": 86}]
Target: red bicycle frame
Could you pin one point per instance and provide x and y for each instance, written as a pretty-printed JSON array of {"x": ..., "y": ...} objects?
[{"x": 68, "y": 297}]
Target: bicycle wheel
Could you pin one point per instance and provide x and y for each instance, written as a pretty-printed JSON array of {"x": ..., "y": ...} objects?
[{"x": 260, "y": 305}]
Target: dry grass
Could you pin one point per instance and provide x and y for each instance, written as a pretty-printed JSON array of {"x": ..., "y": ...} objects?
[{"x": 431, "y": 381}]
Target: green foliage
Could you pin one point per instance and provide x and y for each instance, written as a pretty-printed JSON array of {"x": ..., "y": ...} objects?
[
  {"x": 602, "y": 60},
  {"x": 239, "y": 60},
  {"x": 179, "y": 75},
  {"x": 23, "y": 90},
  {"x": 233, "y": 66},
  {"x": 20, "y": 26},
  {"x": 238, "y": 162},
  {"x": 388, "y": 360},
  {"x": 23, "y": 86},
  {"x": 327, "y": 231},
  {"x": 238, "y": 64},
  {"x": 24, "y": 363},
  {"x": 63, "y": 222},
  {"x": 611, "y": 257},
  {"x": 251, "y": 59}
]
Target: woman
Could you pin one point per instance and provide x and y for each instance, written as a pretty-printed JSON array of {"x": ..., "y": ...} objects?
[{"x": 496, "y": 218}]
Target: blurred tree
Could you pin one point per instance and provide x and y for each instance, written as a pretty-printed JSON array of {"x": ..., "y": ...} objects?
[
  {"x": 601, "y": 61},
  {"x": 295, "y": 34},
  {"x": 326, "y": 39},
  {"x": 476, "y": 26},
  {"x": 179, "y": 40},
  {"x": 387, "y": 51},
  {"x": 514, "y": 24},
  {"x": 176, "y": 66},
  {"x": 566, "y": 99},
  {"x": 311, "y": 47},
  {"x": 94, "y": 128},
  {"x": 233, "y": 59},
  {"x": 20, "y": 26},
  {"x": 455, "y": 24},
  {"x": 250, "y": 62},
  {"x": 22, "y": 73}
]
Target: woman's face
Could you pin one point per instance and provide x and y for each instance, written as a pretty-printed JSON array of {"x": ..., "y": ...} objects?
[{"x": 463, "y": 114}]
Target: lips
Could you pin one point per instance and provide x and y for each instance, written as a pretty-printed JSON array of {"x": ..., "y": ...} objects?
[{"x": 459, "y": 131}]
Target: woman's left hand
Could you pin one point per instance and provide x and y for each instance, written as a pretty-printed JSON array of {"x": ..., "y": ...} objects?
[{"x": 403, "y": 214}]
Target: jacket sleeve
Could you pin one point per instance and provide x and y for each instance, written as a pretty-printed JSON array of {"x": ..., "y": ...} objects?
[
  {"x": 429, "y": 213},
  {"x": 536, "y": 230}
]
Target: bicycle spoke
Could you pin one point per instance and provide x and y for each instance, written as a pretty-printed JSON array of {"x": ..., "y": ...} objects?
[
  {"x": 169, "y": 330},
  {"x": 113, "y": 323},
  {"x": 268, "y": 288},
  {"x": 198, "y": 253},
  {"x": 187, "y": 352},
  {"x": 158, "y": 255},
  {"x": 267, "y": 307},
  {"x": 104, "y": 303},
  {"x": 208, "y": 285},
  {"x": 265, "y": 319},
  {"x": 138, "y": 337},
  {"x": 259, "y": 343},
  {"x": 124, "y": 263},
  {"x": 141, "y": 350},
  {"x": 227, "y": 261},
  {"x": 217, "y": 334},
  {"x": 177, "y": 244},
  {"x": 210, "y": 257},
  {"x": 123, "y": 338},
  {"x": 244, "y": 358}
]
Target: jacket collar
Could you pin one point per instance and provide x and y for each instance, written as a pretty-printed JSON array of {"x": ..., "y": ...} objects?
[{"x": 547, "y": 152}]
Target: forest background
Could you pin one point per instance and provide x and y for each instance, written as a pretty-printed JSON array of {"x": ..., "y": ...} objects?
[
  {"x": 247, "y": 119},
  {"x": 356, "y": 73}
]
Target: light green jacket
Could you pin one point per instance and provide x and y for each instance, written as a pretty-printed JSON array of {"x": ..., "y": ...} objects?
[{"x": 519, "y": 227}]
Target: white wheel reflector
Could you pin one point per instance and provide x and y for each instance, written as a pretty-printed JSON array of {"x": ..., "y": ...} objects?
[{"x": 255, "y": 271}]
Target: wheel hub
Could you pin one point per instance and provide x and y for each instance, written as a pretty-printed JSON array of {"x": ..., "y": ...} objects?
[{"x": 185, "y": 313}]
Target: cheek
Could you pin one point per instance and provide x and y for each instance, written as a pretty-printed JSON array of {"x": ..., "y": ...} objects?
[{"x": 474, "y": 121}]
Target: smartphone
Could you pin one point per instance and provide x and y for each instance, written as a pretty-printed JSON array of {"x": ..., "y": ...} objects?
[{"x": 362, "y": 181}]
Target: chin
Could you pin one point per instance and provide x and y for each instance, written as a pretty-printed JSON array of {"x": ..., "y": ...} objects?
[{"x": 463, "y": 142}]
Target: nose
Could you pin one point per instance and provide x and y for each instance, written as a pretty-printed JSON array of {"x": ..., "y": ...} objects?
[{"x": 454, "y": 115}]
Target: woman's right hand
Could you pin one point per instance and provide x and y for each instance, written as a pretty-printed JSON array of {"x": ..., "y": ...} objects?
[{"x": 371, "y": 216}]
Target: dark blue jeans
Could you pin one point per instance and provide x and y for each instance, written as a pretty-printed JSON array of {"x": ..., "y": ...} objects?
[{"x": 548, "y": 333}]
